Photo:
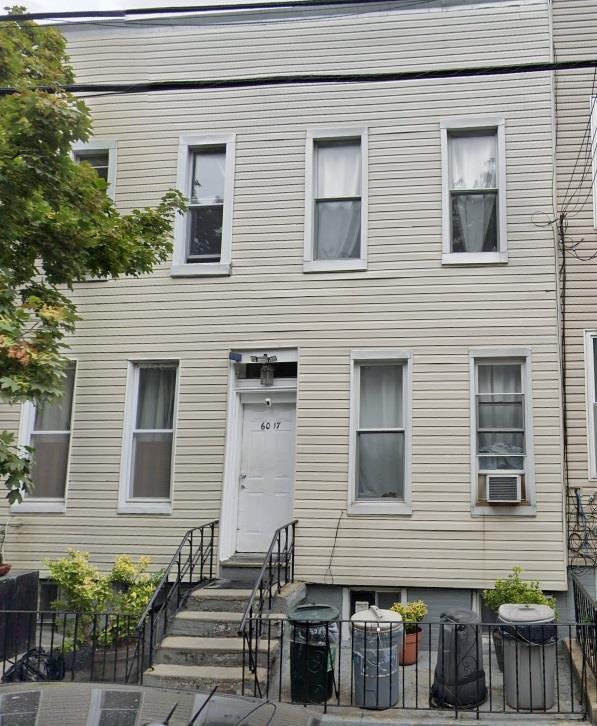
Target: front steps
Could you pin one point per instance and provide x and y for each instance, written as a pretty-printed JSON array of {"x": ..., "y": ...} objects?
[{"x": 202, "y": 647}]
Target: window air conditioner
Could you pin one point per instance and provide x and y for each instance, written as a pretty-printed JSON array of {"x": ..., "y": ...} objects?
[{"x": 503, "y": 488}]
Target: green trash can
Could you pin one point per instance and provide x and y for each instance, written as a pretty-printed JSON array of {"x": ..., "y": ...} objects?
[{"x": 313, "y": 643}]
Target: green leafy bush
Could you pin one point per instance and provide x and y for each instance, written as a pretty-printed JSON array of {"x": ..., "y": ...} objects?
[
  {"x": 514, "y": 590},
  {"x": 108, "y": 605},
  {"x": 412, "y": 613}
]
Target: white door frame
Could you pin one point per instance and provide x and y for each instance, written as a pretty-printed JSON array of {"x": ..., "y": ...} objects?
[{"x": 284, "y": 390}]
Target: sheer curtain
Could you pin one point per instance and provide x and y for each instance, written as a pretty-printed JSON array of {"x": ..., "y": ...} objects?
[
  {"x": 338, "y": 200},
  {"x": 500, "y": 416},
  {"x": 473, "y": 168},
  {"x": 152, "y": 448},
  {"x": 380, "y": 440}
]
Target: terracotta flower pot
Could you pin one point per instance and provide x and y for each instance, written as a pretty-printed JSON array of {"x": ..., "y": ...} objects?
[
  {"x": 4, "y": 569},
  {"x": 410, "y": 648}
]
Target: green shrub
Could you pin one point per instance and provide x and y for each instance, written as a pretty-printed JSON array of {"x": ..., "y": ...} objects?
[
  {"x": 514, "y": 590},
  {"x": 412, "y": 614}
]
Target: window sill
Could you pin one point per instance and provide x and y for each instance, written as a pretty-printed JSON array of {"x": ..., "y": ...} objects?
[
  {"x": 145, "y": 508},
  {"x": 209, "y": 269},
  {"x": 380, "y": 508},
  {"x": 509, "y": 510},
  {"x": 335, "y": 266},
  {"x": 474, "y": 258},
  {"x": 42, "y": 506}
]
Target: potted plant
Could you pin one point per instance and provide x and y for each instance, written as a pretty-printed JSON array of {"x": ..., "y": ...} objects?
[
  {"x": 4, "y": 566},
  {"x": 513, "y": 590},
  {"x": 412, "y": 614}
]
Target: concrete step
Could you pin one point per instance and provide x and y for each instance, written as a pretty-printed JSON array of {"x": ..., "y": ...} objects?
[
  {"x": 229, "y": 679},
  {"x": 188, "y": 650},
  {"x": 219, "y": 599},
  {"x": 206, "y": 624}
]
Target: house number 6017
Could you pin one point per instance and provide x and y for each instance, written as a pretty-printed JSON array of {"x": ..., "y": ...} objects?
[{"x": 266, "y": 425}]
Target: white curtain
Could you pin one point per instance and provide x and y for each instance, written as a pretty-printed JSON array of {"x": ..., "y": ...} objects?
[
  {"x": 381, "y": 397},
  {"x": 338, "y": 221},
  {"x": 209, "y": 170},
  {"x": 473, "y": 166},
  {"x": 155, "y": 408},
  {"x": 55, "y": 416}
]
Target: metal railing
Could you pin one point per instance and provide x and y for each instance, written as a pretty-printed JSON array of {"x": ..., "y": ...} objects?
[
  {"x": 480, "y": 668},
  {"x": 585, "y": 613},
  {"x": 55, "y": 646},
  {"x": 276, "y": 572},
  {"x": 192, "y": 564}
]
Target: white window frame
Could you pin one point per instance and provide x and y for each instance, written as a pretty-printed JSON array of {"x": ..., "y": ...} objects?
[
  {"x": 383, "y": 506},
  {"x": 186, "y": 146},
  {"x": 97, "y": 145},
  {"x": 474, "y": 258},
  {"x": 48, "y": 505},
  {"x": 504, "y": 355},
  {"x": 313, "y": 136},
  {"x": 139, "y": 505},
  {"x": 95, "y": 709},
  {"x": 590, "y": 362}
]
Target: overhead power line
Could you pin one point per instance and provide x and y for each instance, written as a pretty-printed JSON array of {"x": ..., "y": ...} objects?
[
  {"x": 201, "y": 9},
  {"x": 314, "y": 79}
]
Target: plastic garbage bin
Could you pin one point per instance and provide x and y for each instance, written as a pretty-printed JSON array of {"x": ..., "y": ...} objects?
[
  {"x": 530, "y": 652},
  {"x": 313, "y": 640},
  {"x": 376, "y": 646},
  {"x": 459, "y": 680}
]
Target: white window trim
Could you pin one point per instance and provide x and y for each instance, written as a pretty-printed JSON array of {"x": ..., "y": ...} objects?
[
  {"x": 46, "y": 505},
  {"x": 590, "y": 362},
  {"x": 137, "y": 505},
  {"x": 311, "y": 265},
  {"x": 383, "y": 507},
  {"x": 180, "y": 267},
  {"x": 111, "y": 147},
  {"x": 95, "y": 710},
  {"x": 521, "y": 510},
  {"x": 474, "y": 258}
]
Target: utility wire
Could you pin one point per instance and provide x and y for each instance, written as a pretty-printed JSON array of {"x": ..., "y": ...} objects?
[{"x": 310, "y": 79}]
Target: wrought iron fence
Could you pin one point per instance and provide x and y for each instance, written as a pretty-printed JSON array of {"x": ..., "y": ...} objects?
[
  {"x": 192, "y": 564},
  {"x": 54, "y": 646},
  {"x": 585, "y": 612},
  {"x": 276, "y": 572},
  {"x": 479, "y": 668}
]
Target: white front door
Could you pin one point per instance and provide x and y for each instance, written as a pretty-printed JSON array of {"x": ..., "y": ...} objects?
[{"x": 266, "y": 476}]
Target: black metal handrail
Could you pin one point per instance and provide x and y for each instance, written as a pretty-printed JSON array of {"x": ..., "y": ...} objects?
[
  {"x": 585, "y": 611},
  {"x": 192, "y": 564},
  {"x": 276, "y": 571}
]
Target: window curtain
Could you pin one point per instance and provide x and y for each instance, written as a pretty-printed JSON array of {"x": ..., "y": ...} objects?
[
  {"x": 380, "y": 454},
  {"x": 473, "y": 166},
  {"x": 155, "y": 408},
  {"x": 209, "y": 170},
  {"x": 56, "y": 415},
  {"x": 338, "y": 201},
  {"x": 501, "y": 408}
]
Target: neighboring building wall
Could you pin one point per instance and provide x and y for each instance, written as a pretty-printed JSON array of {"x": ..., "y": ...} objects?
[
  {"x": 575, "y": 37},
  {"x": 405, "y": 300}
]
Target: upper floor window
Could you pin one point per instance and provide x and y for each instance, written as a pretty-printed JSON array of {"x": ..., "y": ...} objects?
[
  {"x": 336, "y": 201},
  {"x": 101, "y": 155},
  {"x": 474, "y": 227},
  {"x": 47, "y": 429},
  {"x": 203, "y": 237},
  {"x": 149, "y": 437},
  {"x": 380, "y": 433},
  {"x": 502, "y": 413}
]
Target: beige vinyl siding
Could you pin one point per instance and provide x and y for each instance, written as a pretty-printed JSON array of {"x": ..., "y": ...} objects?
[
  {"x": 575, "y": 37},
  {"x": 405, "y": 300}
]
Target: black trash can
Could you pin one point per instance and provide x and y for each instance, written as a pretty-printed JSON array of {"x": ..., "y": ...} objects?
[
  {"x": 313, "y": 641},
  {"x": 459, "y": 680}
]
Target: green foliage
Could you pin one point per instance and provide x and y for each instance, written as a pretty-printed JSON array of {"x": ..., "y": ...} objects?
[
  {"x": 412, "y": 613},
  {"x": 58, "y": 224},
  {"x": 109, "y": 605},
  {"x": 516, "y": 591}
]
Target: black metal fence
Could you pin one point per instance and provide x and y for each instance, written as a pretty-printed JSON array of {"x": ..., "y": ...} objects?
[
  {"x": 484, "y": 668},
  {"x": 585, "y": 612},
  {"x": 56, "y": 646}
]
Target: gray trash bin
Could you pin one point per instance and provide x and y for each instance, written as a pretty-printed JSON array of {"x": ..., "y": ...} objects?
[
  {"x": 376, "y": 645},
  {"x": 530, "y": 652}
]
